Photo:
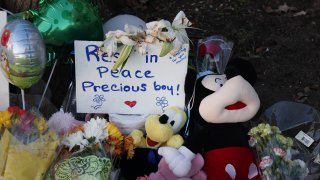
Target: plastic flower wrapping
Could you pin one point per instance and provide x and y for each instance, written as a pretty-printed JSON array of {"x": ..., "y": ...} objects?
[
  {"x": 27, "y": 146},
  {"x": 213, "y": 54},
  {"x": 274, "y": 154},
  {"x": 88, "y": 151}
]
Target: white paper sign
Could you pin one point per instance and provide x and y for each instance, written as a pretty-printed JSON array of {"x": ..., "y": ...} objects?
[
  {"x": 4, "y": 85},
  {"x": 147, "y": 84}
]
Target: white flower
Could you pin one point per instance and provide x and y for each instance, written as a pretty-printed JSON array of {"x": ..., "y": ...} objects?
[
  {"x": 181, "y": 21},
  {"x": 179, "y": 24},
  {"x": 156, "y": 32},
  {"x": 142, "y": 48},
  {"x": 110, "y": 45},
  {"x": 75, "y": 139},
  {"x": 101, "y": 122},
  {"x": 113, "y": 37},
  {"x": 133, "y": 30},
  {"x": 154, "y": 28},
  {"x": 95, "y": 128}
]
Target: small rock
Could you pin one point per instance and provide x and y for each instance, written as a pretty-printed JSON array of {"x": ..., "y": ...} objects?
[
  {"x": 307, "y": 89},
  {"x": 261, "y": 49},
  {"x": 300, "y": 94},
  {"x": 301, "y": 97},
  {"x": 301, "y": 13},
  {"x": 268, "y": 9},
  {"x": 210, "y": 6},
  {"x": 196, "y": 9},
  {"x": 315, "y": 87}
]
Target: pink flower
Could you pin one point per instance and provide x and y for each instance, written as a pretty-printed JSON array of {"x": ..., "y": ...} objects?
[
  {"x": 279, "y": 152},
  {"x": 26, "y": 121},
  {"x": 265, "y": 162},
  {"x": 252, "y": 141}
]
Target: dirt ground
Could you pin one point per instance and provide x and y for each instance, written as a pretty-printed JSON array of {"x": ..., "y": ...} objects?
[{"x": 280, "y": 38}]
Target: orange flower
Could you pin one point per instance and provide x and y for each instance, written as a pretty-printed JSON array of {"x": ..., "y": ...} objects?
[
  {"x": 75, "y": 129},
  {"x": 129, "y": 147},
  {"x": 114, "y": 145}
]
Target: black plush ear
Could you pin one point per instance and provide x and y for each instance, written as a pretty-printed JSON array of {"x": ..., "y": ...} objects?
[{"x": 238, "y": 66}]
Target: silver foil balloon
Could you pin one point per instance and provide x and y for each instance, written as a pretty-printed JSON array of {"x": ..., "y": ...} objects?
[{"x": 23, "y": 55}]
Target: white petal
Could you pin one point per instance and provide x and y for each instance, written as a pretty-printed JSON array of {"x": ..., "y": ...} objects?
[
  {"x": 127, "y": 41},
  {"x": 164, "y": 24},
  {"x": 152, "y": 24},
  {"x": 179, "y": 16},
  {"x": 181, "y": 21},
  {"x": 73, "y": 139},
  {"x": 96, "y": 129},
  {"x": 149, "y": 39},
  {"x": 133, "y": 30},
  {"x": 110, "y": 46},
  {"x": 142, "y": 48}
]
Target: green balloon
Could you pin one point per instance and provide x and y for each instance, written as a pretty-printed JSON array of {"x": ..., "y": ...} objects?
[{"x": 62, "y": 21}]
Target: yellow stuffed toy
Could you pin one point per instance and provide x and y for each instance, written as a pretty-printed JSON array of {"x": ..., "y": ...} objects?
[{"x": 161, "y": 130}]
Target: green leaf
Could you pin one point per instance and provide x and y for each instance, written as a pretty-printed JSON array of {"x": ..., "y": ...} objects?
[
  {"x": 124, "y": 55},
  {"x": 166, "y": 48},
  {"x": 123, "y": 64}
]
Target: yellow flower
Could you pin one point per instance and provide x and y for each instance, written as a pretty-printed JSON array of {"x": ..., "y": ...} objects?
[
  {"x": 253, "y": 131},
  {"x": 261, "y": 126},
  {"x": 41, "y": 124},
  {"x": 266, "y": 131},
  {"x": 114, "y": 131},
  {"x": 281, "y": 139},
  {"x": 5, "y": 119},
  {"x": 275, "y": 130},
  {"x": 289, "y": 141}
]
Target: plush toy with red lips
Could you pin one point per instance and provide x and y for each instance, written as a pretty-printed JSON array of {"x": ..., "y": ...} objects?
[{"x": 223, "y": 100}]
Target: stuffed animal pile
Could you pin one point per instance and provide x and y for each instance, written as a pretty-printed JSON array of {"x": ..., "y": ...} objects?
[{"x": 222, "y": 102}]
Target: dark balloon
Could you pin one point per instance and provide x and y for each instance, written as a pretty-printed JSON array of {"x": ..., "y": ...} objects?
[{"x": 62, "y": 21}]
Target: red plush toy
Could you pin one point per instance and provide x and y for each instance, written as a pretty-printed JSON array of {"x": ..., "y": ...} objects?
[{"x": 223, "y": 100}]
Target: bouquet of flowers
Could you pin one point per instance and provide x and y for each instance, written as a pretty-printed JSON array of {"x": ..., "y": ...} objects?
[
  {"x": 171, "y": 36},
  {"x": 87, "y": 151},
  {"x": 274, "y": 154},
  {"x": 27, "y": 147}
]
